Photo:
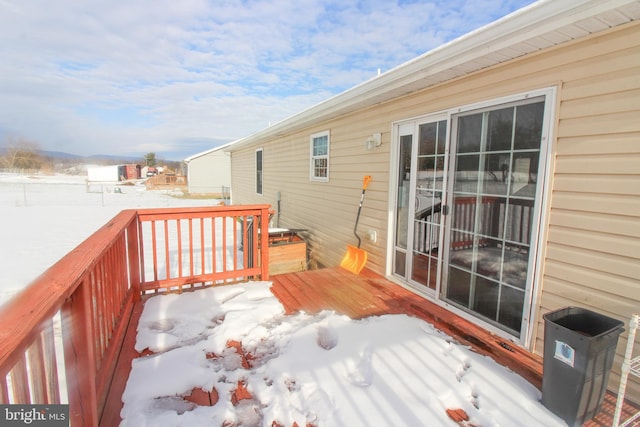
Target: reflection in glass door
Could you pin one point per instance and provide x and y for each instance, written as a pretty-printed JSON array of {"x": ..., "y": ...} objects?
[
  {"x": 419, "y": 202},
  {"x": 428, "y": 202},
  {"x": 493, "y": 193}
]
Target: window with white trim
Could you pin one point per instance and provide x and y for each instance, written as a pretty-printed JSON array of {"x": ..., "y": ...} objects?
[
  {"x": 319, "y": 155},
  {"x": 259, "y": 171}
]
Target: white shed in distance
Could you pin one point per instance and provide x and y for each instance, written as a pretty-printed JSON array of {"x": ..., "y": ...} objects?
[{"x": 209, "y": 172}]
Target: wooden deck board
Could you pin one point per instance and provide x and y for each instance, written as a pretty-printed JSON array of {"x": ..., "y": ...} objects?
[
  {"x": 372, "y": 295},
  {"x": 359, "y": 296}
]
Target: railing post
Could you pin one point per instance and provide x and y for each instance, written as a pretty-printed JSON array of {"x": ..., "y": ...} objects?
[
  {"x": 80, "y": 361},
  {"x": 134, "y": 258},
  {"x": 264, "y": 244}
]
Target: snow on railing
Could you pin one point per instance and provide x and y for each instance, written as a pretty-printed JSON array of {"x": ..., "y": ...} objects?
[{"x": 61, "y": 336}]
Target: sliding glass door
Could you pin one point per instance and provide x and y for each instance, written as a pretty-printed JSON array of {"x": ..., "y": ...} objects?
[
  {"x": 468, "y": 208},
  {"x": 492, "y": 197}
]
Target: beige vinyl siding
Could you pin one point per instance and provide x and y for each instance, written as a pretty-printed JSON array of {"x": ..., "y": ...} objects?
[
  {"x": 329, "y": 209},
  {"x": 593, "y": 246},
  {"x": 326, "y": 209},
  {"x": 591, "y": 250}
]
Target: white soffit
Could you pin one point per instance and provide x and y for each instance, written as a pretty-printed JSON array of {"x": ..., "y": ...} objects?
[{"x": 541, "y": 25}]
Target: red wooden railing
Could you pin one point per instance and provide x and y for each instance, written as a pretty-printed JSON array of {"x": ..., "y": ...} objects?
[
  {"x": 61, "y": 336},
  {"x": 187, "y": 247}
]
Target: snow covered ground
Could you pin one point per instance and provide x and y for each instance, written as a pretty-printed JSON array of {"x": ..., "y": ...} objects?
[
  {"x": 321, "y": 370},
  {"x": 44, "y": 217}
]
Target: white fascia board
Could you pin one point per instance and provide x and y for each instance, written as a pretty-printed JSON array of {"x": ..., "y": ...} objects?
[{"x": 530, "y": 22}]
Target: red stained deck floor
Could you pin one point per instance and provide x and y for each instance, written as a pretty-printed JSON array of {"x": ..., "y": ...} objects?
[
  {"x": 367, "y": 294},
  {"x": 370, "y": 294}
]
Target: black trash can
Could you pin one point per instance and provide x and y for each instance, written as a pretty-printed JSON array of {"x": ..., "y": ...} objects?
[{"x": 579, "y": 347}]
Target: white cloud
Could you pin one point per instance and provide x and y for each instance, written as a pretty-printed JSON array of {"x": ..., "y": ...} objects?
[{"x": 90, "y": 77}]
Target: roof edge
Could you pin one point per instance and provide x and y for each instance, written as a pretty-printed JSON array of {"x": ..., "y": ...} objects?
[
  {"x": 209, "y": 151},
  {"x": 523, "y": 24}
]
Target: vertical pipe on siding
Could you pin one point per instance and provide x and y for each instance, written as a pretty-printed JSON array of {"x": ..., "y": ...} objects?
[
  {"x": 255, "y": 235},
  {"x": 245, "y": 239}
]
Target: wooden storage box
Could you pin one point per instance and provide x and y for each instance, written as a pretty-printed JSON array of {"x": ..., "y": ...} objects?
[{"x": 287, "y": 252}]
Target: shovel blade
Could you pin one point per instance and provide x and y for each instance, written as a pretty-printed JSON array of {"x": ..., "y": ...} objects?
[{"x": 354, "y": 260}]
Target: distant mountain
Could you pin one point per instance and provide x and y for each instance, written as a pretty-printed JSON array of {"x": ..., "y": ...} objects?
[
  {"x": 101, "y": 158},
  {"x": 124, "y": 159},
  {"x": 59, "y": 155},
  {"x": 93, "y": 158}
]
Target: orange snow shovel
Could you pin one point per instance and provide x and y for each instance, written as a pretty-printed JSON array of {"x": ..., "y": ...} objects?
[{"x": 356, "y": 258}]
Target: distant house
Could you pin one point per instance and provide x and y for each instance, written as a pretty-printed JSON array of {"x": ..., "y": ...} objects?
[
  {"x": 209, "y": 172},
  {"x": 505, "y": 166},
  {"x": 113, "y": 173}
]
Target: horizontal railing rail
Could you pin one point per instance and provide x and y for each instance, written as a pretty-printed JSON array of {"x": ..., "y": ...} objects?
[{"x": 61, "y": 336}]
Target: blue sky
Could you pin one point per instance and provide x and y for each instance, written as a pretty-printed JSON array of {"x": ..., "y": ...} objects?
[{"x": 180, "y": 77}]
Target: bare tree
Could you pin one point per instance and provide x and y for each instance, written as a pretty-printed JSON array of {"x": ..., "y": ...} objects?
[{"x": 21, "y": 154}]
